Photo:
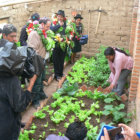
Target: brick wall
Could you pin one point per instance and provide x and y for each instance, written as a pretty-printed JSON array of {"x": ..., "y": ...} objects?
[
  {"x": 114, "y": 27},
  {"x": 135, "y": 51}
]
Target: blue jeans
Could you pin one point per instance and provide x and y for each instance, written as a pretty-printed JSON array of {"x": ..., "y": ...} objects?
[{"x": 119, "y": 88}]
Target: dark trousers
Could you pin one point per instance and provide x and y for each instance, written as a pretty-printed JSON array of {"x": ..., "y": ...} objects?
[
  {"x": 58, "y": 61},
  {"x": 38, "y": 93},
  {"x": 119, "y": 88}
]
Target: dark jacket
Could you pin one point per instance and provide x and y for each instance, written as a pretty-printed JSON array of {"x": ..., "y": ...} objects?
[
  {"x": 13, "y": 101},
  {"x": 23, "y": 36},
  {"x": 56, "y": 28}
]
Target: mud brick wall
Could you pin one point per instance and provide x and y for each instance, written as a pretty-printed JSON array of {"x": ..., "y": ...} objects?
[{"x": 114, "y": 27}]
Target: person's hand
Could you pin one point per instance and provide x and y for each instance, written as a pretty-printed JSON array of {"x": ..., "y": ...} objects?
[
  {"x": 106, "y": 136},
  {"x": 109, "y": 89},
  {"x": 31, "y": 83},
  {"x": 61, "y": 23},
  {"x": 128, "y": 133}
]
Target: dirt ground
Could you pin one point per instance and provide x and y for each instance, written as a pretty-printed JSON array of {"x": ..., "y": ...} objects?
[{"x": 57, "y": 128}]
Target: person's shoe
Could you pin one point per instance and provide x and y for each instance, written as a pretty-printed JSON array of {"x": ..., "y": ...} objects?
[
  {"x": 42, "y": 95},
  {"x": 22, "y": 124},
  {"x": 45, "y": 83},
  {"x": 36, "y": 104},
  {"x": 58, "y": 78}
]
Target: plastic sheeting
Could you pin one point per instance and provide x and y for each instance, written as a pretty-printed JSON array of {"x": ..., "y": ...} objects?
[
  {"x": 21, "y": 61},
  {"x": 84, "y": 40}
]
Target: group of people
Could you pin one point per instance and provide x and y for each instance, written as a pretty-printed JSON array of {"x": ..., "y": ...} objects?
[
  {"x": 58, "y": 55},
  {"x": 13, "y": 100}
]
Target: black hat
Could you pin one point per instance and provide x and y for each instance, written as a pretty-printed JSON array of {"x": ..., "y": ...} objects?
[
  {"x": 61, "y": 12},
  {"x": 78, "y": 16},
  {"x": 35, "y": 16}
]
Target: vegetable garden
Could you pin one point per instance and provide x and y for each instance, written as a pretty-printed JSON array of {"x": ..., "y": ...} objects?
[{"x": 70, "y": 103}]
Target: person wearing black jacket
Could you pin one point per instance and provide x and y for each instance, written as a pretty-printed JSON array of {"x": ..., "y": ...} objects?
[
  {"x": 13, "y": 100},
  {"x": 23, "y": 35},
  {"x": 58, "y": 53},
  {"x": 79, "y": 29}
]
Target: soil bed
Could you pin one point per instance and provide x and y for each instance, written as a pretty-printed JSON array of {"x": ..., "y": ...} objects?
[{"x": 55, "y": 129}]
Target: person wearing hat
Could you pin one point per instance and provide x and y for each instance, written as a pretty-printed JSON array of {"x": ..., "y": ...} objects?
[
  {"x": 58, "y": 53},
  {"x": 23, "y": 35},
  {"x": 79, "y": 28}
]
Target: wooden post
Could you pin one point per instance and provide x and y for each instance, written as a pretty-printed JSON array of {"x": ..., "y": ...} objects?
[
  {"x": 89, "y": 28},
  {"x": 98, "y": 21}
]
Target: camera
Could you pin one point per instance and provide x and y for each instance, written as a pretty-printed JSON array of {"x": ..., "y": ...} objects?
[{"x": 115, "y": 133}]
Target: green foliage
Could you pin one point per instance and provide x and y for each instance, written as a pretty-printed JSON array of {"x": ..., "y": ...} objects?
[
  {"x": 43, "y": 135},
  {"x": 79, "y": 70},
  {"x": 66, "y": 125},
  {"x": 25, "y": 134},
  {"x": 52, "y": 129},
  {"x": 71, "y": 120},
  {"x": 18, "y": 44},
  {"x": 109, "y": 100},
  {"x": 116, "y": 113},
  {"x": 60, "y": 134},
  {"x": 93, "y": 71},
  {"x": 99, "y": 74},
  {"x": 33, "y": 127},
  {"x": 40, "y": 114},
  {"x": 68, "y": 88},
  {"x": 46, "y": 125},
  {"x": 23, "y": 86}
]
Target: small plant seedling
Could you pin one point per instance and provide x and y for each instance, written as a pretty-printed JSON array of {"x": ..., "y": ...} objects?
[
  {"x": 46, "y": 125},
  {"x": 33, "y": 127},
  {"x": 98, "y": 120},
  {"x": 22, "y": 86},
  {"x": 43, "y": 135},
  {"x": 71, "y": 120},
  {"x": 40, "y": 114},
  {"x": 66, "y": 125},
  {"x": 52, "y": 129}
]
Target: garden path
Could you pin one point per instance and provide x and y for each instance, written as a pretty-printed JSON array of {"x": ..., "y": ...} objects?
[{"x": 49, "y": 90}]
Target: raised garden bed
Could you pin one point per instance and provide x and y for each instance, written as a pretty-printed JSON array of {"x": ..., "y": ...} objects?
[{"x": 93, "y": 109}]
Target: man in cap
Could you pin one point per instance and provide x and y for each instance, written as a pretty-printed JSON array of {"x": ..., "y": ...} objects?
[
  {"x": 23, "y": 35},
  {"x": 58, "y": 53}
]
